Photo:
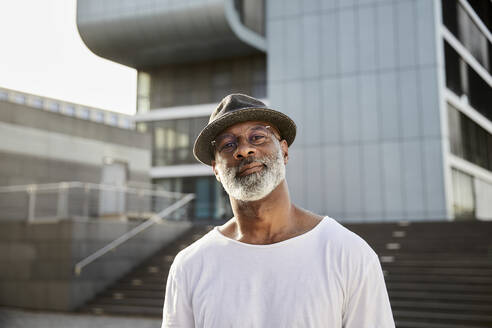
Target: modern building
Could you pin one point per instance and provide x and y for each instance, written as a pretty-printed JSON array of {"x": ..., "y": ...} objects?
[
  {"x": 45, "y": 140},
  {"x": 393, "y": 99},
  {"x": 73, "y": 180}
]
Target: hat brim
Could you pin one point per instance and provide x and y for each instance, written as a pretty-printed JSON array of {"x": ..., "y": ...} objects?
[{"x": 202, "y": 148}]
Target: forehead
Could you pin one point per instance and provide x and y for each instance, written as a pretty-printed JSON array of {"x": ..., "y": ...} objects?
[{"x": 239, "y": 128}]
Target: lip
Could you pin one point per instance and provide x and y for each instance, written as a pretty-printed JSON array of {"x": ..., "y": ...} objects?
[{"x": 250, "y": 168}]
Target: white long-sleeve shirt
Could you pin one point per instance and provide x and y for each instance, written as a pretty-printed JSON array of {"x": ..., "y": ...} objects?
[{"x": 326, "y": 277}]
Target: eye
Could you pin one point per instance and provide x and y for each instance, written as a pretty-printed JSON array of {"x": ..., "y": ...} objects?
[
  {"x": 228, "y": 147},
  {"x": 257, "y": 139}
]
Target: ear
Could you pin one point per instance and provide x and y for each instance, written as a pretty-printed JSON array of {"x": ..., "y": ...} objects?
[
  {"x": 285, "y": 150},
  {"x": 215, "y": 170}
]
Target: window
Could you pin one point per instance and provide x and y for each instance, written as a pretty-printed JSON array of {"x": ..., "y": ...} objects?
[
  {"x": 142, "y": 127},
  {"x": 143, "y": 92},
  {"x": 99, "y": 117},
  {"x": 453, "y": 70},
  {"x": 126, "y": 123},
  {"x": 463, "y": 80},
  {"x": 53, "y": 106},
  {"x": 483, "y": 195},
  {"x": 37, "y": 102},
  {"x": 457, "y": 20},
  {"x": 70, "y": 110},
  {"x": 468, "y": 140},
  {"x": 173, "y": 140},
  {"x": 211, "y": 200},
  {"x": 3, "y": 95},
  {"x": 84, "y": 113},
  {"x": 463, "y": 195},
  {"x": 20, "y": 98},
  {"x": 449, "y": 15},
  {"x": 113, "y": 119}
]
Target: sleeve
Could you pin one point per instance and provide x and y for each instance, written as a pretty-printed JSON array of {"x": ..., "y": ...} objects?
[
  {"x": 368, "y": 303},
  {"x": 177, "y": 310}
]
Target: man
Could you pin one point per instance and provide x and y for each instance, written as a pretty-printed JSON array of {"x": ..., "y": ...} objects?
[{"x": 273, "y": 264}]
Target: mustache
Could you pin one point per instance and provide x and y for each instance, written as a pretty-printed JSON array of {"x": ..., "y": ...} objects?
[{"x": 249, "y": 160}]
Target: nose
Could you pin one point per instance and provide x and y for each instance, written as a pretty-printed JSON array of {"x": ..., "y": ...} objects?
[{"x": 244, "y": 149}]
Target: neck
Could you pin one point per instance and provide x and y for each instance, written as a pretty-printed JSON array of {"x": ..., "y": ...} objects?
[{"x": 267, "y": 220}]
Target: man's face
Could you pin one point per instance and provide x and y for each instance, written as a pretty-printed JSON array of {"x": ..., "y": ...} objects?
[{"x": 250, "y": 160}]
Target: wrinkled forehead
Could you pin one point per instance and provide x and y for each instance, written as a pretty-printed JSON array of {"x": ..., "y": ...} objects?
[{"x": 240, "y": 128}]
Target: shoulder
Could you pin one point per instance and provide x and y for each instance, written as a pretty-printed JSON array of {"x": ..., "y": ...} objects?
[
  {"x": 196, "y": 253},
  {"x": 346, "y": 243}
]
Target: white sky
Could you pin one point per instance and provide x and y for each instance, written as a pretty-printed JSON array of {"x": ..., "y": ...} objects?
[{"x": 42, "y": 53}]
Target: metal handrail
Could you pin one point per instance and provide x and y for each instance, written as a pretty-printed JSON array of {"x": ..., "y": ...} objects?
[
  {"x": 77, "y": 184},
  {"x": 139, "y": 200},
  {"x": 138, "y": 229}
]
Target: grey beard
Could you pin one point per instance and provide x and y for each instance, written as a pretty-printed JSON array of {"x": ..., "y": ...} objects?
[{"x": 256, "y": 185}]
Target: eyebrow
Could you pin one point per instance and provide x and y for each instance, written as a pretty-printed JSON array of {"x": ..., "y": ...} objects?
[{"x": 256, "y": 127}]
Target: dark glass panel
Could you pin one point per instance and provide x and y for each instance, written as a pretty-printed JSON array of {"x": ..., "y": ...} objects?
[
  {"x": 462, "y": 79},
  {"x": 172, "y": 140},
  {"x": 480, "y": 94},
  {"x": 468, "y": 140},
  {"x": 449, "y": 14},
  {"x": 483, "y": 9},
  {"x": 455, "y": 131},
  {"x": 453, "y": 72},
  {"x": 211, "y": 202},
  {"x": 457, "y": 20}
]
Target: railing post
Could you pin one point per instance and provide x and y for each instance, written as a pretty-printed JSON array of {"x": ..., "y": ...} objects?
[
  {"x": 62, "y": 208},
  {"x": 87, "y": 195},
  {"x": 31, "y": 191},
  {"x": 140, "y": 204}
]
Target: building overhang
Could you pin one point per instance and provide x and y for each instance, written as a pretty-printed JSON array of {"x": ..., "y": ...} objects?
[{"x": 147, "y": 33}]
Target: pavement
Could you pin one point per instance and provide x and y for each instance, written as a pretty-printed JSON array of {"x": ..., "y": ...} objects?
[{"x": 16, "y": 318}]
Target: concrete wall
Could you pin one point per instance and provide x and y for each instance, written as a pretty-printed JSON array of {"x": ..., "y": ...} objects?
[
  {"x": 40, "y": 146},
  {"x": 360, "y": 78},
  {"x": 37, "y": 260}
]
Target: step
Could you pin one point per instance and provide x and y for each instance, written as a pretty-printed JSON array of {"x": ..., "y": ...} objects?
[
  {"x": 466, "y": 272},
  {"x": 141, "y": 286},
  {"x": 444, "y": 296},
  {"x": 438, "y": 287},
  {"x": 134, "y": 301},
  {"x": 443, "y": 316},
  {"x": 486, "y": 281},
  {"x": 124, "y": 310},
  {"x": 153, "y": 294},
  {"x": 442, "y": 306},
  {"x": 400, "y": 323},
  {"x": 147, "y": 279},
  {"x": 434, "y": 282},
  {"x": 429, "y": 262}
]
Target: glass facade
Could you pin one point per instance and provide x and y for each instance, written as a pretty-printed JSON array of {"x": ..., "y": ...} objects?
[
  {"x": 201, "y": 83},
  {"x": 463, "y": 195},
  {"x": 468, "y": 140},
  {"x": 211, "y": 202},
  {"x": 463, "y": 80},
  {"x": 461, "y": 25},
  {"x": 172, "y": 140}
]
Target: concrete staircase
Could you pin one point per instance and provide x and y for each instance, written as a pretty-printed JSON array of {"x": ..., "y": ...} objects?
[
  {"x": 141, "y": 292},
  {"x": 438, "y": 274}
]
